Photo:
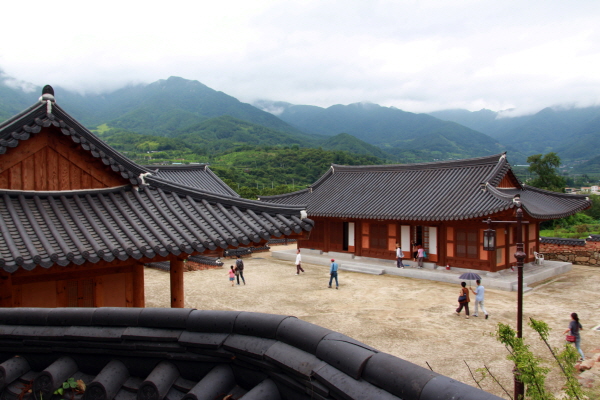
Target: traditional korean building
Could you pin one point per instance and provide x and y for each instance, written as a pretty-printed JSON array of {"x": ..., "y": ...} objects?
[
  {"x": 78, "y": 220},
  {"x": 366, "y": 210}
]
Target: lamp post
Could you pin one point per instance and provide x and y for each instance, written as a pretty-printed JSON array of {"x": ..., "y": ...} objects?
[
  {"x": 489, "y": 244},
  {"x": 520, "y": 256}
]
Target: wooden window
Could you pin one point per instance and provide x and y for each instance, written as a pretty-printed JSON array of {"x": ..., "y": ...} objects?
[
  {"x": 467, "y": 243},
  {"x": 378, "y": 234}
]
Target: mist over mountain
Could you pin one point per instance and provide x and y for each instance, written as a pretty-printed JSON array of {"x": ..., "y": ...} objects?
[{"x": 190, "y": 111}]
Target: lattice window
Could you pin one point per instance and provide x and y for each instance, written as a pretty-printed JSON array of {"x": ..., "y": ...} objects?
[
  {"x": 378, "y": 235},
  {"x": 467, "y": 243}
]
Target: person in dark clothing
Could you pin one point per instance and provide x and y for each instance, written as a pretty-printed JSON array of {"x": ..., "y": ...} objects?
[
  {"x": 239, "y": 268},
  {"x": 463, "y": 299}
]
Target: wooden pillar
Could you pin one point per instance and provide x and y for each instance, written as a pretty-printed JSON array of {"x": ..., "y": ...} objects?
[
  {"x": 138, "y": 286},
  {"x": 177, "y": 291},
  {"x": 6, "y": 289}
]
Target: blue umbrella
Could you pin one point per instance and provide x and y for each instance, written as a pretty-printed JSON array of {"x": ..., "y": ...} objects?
[{"x": 470, "y": 276}]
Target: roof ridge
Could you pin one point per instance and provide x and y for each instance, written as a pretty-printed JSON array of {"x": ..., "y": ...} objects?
[
  {"x": 426, "y": 165},
  {"x": 183, "y": 167}
]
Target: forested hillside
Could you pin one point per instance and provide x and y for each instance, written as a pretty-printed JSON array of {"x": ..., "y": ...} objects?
[
  {"x": 408, "y": 136},
  {"x": 250, "y": 169},
  {"x": 572, "y": 133}
]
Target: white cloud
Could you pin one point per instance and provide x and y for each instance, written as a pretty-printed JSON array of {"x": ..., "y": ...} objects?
[{"x": 415, "y": 55}]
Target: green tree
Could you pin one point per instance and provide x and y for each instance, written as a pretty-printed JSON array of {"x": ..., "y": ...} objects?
[
  {"x": 545, "y": 169},
  {"x": 529, "y": 369}
]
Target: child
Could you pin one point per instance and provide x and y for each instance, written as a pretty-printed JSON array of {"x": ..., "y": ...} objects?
[{"x": 231, "y": 275}]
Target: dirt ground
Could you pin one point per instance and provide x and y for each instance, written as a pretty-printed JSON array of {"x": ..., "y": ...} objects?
[{"x": 410, "y": 318}]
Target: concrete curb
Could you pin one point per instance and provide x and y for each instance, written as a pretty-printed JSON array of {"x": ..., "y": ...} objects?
[{"x": 502, "y": 280}]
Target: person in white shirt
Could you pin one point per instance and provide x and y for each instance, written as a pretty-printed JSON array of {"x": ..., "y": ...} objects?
[
  {"x": 298, "y": 262},
  {"x": 479, "y": 295},
  {"x": 399, "y": 256}
]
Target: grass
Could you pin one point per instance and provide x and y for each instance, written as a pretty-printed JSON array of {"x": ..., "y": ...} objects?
[{"x": 581, "y": 231}]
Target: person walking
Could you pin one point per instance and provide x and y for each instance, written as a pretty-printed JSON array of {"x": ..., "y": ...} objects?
[
  {"x": 333, "y": 273},
  {"x": 420, "y": 256},
  {"x": 463, "y": 299},
  {"x": 399, "y": 256},
  {"x": 239, "y": 269},
  {"x": 231, "y": 274},
  {"x": 574, "y": 328},
  {"x": 298, "y": 262},
  {"x": 479, "y": 296}
]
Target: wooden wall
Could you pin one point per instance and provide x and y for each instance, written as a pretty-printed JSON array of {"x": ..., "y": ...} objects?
[
  {"x": 86, "y": 285},
  {"x": 52, "y": 161},
  {"x": 503, "y": 258}
]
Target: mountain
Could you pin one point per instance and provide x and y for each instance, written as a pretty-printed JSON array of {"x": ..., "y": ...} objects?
[
  {"x": 182, "y": 109},
  {"x": 346, "y": 142},
  {"x": 201, "y": 116},
  {"x": 14, "y": 100},
  {"x": 407, "y": 135},
  {"x": 572, "y": 133}
]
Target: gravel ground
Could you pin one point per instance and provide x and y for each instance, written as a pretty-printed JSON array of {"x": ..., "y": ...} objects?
[{"x": 410, "y": 318}]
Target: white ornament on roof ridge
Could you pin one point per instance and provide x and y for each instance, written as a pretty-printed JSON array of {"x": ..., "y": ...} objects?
[{"x": 143, "y": 176}]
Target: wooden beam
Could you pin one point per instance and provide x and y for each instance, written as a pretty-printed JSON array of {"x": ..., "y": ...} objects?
[
  {"x": 68, "y": 274},
  {"x": 138, "y": 286},
  {"x": 176, "y": 273}
]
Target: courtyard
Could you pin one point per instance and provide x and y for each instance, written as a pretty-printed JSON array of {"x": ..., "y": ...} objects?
[{"x": 410, "y": 318}]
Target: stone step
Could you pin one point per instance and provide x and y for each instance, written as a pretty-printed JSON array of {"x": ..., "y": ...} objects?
[{"x": 365, "y": 269}]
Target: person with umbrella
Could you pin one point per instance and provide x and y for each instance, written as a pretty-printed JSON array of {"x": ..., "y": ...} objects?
[
  {"x": 479, "y": 295},
  {"x": 463, "y": 299}
]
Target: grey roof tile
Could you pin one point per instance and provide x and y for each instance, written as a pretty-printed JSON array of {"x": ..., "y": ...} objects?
[
  {"x": 48, "y": 228},
  {"x": 145, "y": 366},
  {"x": 195, "y": 176},
  {"x": 437, "y": 191}
]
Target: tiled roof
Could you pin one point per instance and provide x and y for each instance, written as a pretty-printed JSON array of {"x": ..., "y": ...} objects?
[
  {"x": 196, "y": 176},
  {"x": 593, "y": 238},
  {"x": 438, "y": 191},
  {"x": 564, "y": 241},
  {"x": 47, "y": 228},
  {"x": 150, "y": 216},
  {"x": 174, "y": 354}
]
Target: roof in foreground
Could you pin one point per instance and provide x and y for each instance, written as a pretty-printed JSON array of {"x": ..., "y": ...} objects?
[
  {"x": 152, "y": 354},
  {"x": 150, "y": 216},
  {"x": 437, "y": 191}
]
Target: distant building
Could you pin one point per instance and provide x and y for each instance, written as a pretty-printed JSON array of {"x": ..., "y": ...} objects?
[{"x": 366, "y": 210}]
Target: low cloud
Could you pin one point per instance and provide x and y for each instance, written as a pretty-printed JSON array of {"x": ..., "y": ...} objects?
[{"x": 416, "y": 56}]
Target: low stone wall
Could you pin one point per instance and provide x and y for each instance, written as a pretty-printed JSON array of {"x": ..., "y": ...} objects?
[{"x": 575, "y": 251}]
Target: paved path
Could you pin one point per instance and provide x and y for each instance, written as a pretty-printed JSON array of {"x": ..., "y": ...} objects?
[{"x": 503, "y": 280}]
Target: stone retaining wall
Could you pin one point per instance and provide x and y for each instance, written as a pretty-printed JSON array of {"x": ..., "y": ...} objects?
[{"x": 575, "y": 251}]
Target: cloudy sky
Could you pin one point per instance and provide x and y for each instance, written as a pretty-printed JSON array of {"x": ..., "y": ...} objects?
[{"x": 414, "y": 55}]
